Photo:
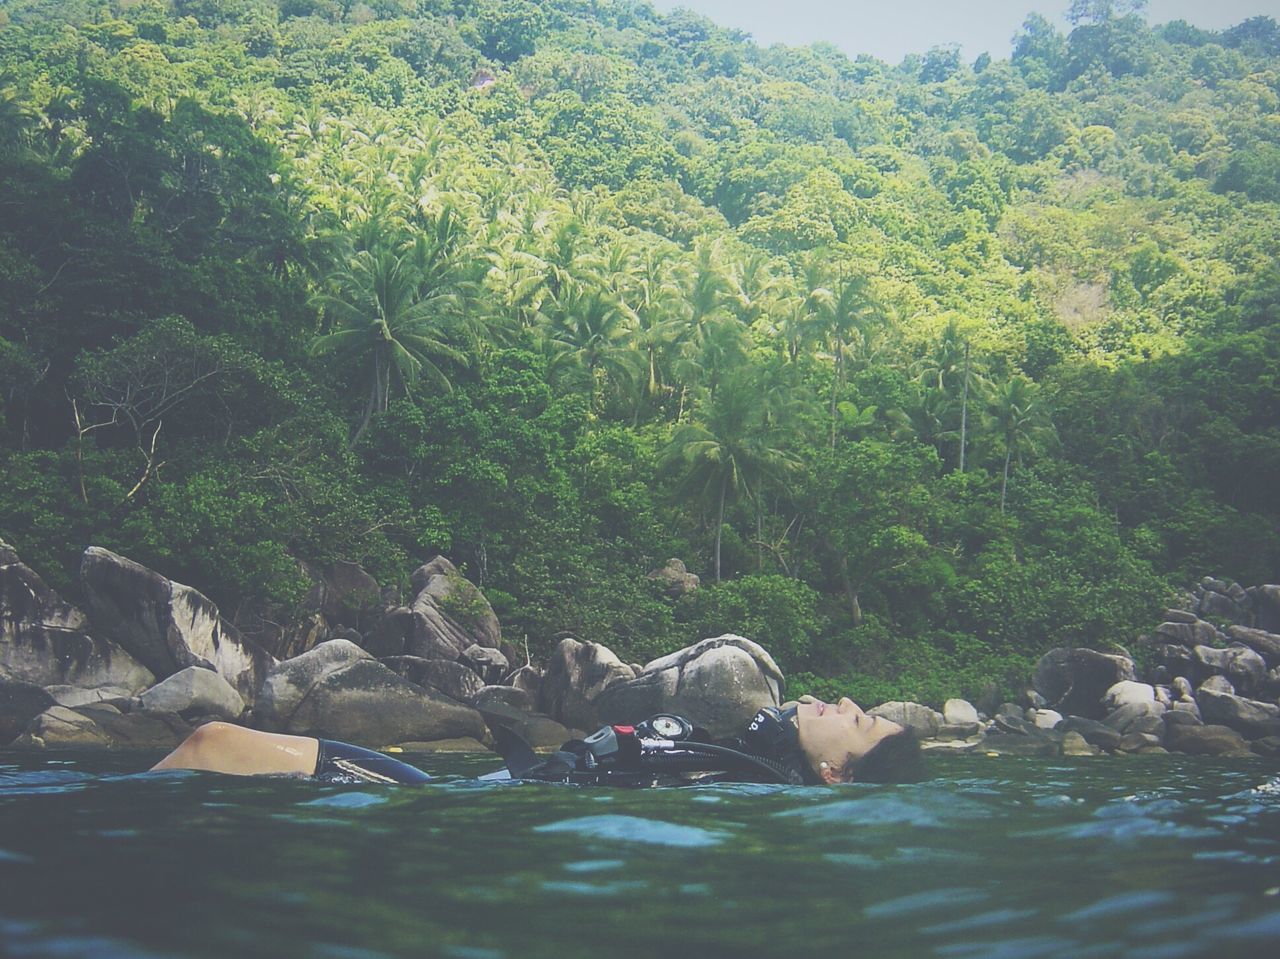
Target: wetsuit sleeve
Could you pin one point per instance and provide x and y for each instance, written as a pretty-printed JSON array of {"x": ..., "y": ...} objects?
[{"x": 338, "y": 762}]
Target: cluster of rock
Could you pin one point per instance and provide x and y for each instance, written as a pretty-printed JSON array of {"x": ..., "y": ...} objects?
[
  {"x": 149, "y": 659},
  {"x": 1213, "y": 689}
]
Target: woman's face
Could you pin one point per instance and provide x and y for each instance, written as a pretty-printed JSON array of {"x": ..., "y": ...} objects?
[{"x": 833, "y": 733}]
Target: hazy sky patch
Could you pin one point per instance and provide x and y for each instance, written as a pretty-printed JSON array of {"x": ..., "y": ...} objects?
[{"x": 890, "y": 30}]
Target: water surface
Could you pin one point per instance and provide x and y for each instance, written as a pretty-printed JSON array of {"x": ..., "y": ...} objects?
[{"x": 993, "y": 858}]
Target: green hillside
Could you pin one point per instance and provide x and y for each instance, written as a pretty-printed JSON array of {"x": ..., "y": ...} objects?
[{"x": 924, "y": 369}]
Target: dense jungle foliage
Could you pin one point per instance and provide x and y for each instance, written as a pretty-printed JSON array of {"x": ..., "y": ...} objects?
[{"x": 924, "y": 369}]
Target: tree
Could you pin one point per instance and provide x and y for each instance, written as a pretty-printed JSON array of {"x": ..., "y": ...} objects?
[
  {"x": 729, "y": 452},
  {"x": 1020, "y": 418},
  {"x": 389, "y": 324}
]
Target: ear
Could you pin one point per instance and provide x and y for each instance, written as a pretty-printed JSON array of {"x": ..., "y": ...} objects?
[{"x": 828, "y": 774}]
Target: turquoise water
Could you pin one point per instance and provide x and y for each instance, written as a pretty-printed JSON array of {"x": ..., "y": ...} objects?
[{"x": 994, "y": 858}]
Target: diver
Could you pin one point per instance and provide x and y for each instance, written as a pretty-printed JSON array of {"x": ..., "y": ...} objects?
[{"x": 803, "y": 742}]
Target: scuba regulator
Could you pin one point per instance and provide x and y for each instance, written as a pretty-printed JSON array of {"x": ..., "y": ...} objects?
[{"x": 666, "y": 749}]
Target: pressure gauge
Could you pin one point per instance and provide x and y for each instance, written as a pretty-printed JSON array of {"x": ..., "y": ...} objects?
[{"x": 667, "y": 726}]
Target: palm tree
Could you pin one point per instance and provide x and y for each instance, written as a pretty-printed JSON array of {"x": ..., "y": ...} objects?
[
  {"x": 387, "y": 321},
  {"x": 948, "y": 369},
  {"x": 589, "y": 332},
  {"x": 846, "y": 311},
  {"x": 1020, "y": 418},
  {"x": 731, "y": 451}
]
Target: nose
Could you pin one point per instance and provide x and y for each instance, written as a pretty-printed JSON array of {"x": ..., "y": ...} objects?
[{"x": 847, "y": 705}]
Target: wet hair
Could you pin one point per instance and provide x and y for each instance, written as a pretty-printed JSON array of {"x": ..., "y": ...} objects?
[{"x": 895, "y": 759}]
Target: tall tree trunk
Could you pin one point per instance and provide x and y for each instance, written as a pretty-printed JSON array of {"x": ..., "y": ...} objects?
[
  {"x": 835, "y": 386},
  {"x": 724, "y": 488},
  {"x": 851, "y": 594},
  {"x": 1004, "y": 482},
  {"x": 964, "y": 407}
]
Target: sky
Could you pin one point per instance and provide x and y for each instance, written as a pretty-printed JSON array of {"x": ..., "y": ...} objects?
[{"x": 890, "y": 29}]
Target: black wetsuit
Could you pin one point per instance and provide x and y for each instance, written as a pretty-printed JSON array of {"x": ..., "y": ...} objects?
[{"x": 343, "y": 763}]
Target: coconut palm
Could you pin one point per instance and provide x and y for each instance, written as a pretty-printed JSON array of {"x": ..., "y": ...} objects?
[
  {"x": 387, "y": 321},
  {"x": 1020, "y": 418},
  {"x": 731, "y": 451},
  {"x": 588, "y": 337}
]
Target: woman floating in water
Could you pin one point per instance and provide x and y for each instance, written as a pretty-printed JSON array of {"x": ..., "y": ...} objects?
[{"x": 808, "y": 741}]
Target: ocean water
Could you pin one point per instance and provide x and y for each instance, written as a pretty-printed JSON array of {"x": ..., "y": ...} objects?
[{"x": 992, "y": 858}]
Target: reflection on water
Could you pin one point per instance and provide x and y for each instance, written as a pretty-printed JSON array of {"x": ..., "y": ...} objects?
[{"x": 1139, "y": 857}]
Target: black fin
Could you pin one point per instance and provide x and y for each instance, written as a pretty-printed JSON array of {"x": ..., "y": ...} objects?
[{"x": 517, "y": 754}]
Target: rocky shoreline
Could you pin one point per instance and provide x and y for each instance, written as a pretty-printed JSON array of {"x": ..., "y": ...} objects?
[{"x": 148, "y": 660}]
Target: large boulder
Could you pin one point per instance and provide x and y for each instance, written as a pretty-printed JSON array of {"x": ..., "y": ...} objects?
[
  {"x": 449, "y": 613},
  {"x": 1243, "y": 667},
  {"x": 194, "y": 692},
  {"x": 1074, "y": 681},
  {"x": 456, "y": 680},
  {"x": 488, "y": 663},
  {"x": 575, "y": 677},
  {"x": 1249, "y": 717},
  {"x": 924, "y": 721},
  {"x": 48, "y": 642},
  {"x": 60, "y": 726},
  {"x": 338, "y": 691},
  {"x": 675, "y": 579},
  {"x": 718, "y": 684},
  {"x": 1205, "y": 740},
  {"x": 165, "y": 625},
  {"x": 1128, "y": 692},
  {"x": 1266, "y": 645},
  {"x": 1182, "y": 633},
  {"x": 1266, "y": 607},
  {"x": 19, "y": 704},
  {"x": 346, "y": 595}
]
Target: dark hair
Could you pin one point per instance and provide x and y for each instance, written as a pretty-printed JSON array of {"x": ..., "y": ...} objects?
[{"x": 895, "y": 759}]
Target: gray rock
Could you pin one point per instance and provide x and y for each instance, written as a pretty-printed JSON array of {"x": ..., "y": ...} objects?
[
  {"x": 1266, "y": 607},
  {"x": 489, "y": 664},
  {"x": 391, "y": 635},
  {"x": 1251, "y": 718},
  {"x": 676, "y": 581},
  {"x": 1180, "y": 616},
  {"x": 1206, "y": 741},
  {"x": 1221, "y": 606},
  {"x": 1218, "y": 684},
  {"x": 1181, "y": 688},
  {"x": 540, "y": 732},
  {"x": 1075, "y": 680},
  {"x": 167, "y": 626},
  {"x": 576, "y": 675},
  {"x": 1073, "y": 744},
  {"x": 1034, "y": 701},
  {"x": 346, "y": 595},
  {"x": 950, "y": 731},
  {"x": 301, "y": 637},
  {"x": 718, "y": 684},
  {"x": 337, "y": 691},
  {"x": 1266, "y": 645},
  {"x": 1000, "y": 744},
  {"x": 1047, "y": 718},
  {"x": 455, "y": 680},
  {"x": 90, "y": 726},
  {"x": 959, "y": 712},
  {"x": 19, "y": 704},
  {"x": 1195, "y": 633},
  {"x": 45, "y": 641},
  {"x": 194, "y": 692},
  {"x": 1128, "y": 692},
  {"x": 1164, "y": 696},
  {"x": 528, "y": 678},
  {"x": 925, "y": 722},
  {"x": 1238, "y": 663},
  {"x": 1181, "y": 715},
  {"x": 1094, "y": 732},
  {"x": 449, "y": 613},
  {"x": 74, "y": 696},
  {"x": 1268, "y": 746},
  {"x": 507, "y": 696},
  {"x": 1134, "y": 717},
  {"x": 1138, "y": 742}
]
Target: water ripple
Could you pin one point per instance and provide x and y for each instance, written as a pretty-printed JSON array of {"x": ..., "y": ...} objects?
[{"x": 634, "y": 829}]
